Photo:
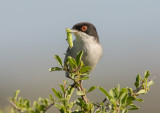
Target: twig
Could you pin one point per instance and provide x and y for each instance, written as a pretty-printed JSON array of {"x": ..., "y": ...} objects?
[
  {"x": 19, "y": 110},
  {"x": 48, "y": 107},
  {"x": 103, "y": 101},
  {"x": 14, "y": 105},
  {"x": 80, "y": 88}
]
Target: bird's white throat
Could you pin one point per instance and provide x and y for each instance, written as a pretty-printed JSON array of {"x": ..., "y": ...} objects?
[{"x": 91, "y": 48}]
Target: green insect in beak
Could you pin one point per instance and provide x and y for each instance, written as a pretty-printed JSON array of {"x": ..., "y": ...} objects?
[{"x": 69, "y": 38}]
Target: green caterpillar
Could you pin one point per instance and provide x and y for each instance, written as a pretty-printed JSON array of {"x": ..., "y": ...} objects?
[{"x": 69, "y": 38}]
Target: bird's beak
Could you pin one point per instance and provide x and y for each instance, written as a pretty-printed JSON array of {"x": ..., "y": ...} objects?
[{"x": 73, "y": 31}]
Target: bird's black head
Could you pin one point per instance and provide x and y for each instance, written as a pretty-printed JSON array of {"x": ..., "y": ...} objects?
[{"x": 87, "y": 28}]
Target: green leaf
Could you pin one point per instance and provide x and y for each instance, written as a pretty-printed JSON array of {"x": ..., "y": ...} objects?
[
  {"x": 123, "y": 90},
  {"x": 72, "y": 62},
  {"x": 62, "y": 88},
  {"x": 81, "y": 102},
  {"x": 142, "y": 91},
  {"x": 146, "y": 74},
  {"x": 20, "y": 100},
  {"x": 55, "y": 69},
  {"x": 113, "y": 93},
  {"x": 72, "y": 75},
  {"x": 27, "y": 103},
  {"x": 57, "y": 106},
  {"x": 134, "y": 108},
  {"x": 16, "y": 94},
  {"x": 77, "y": 112},
  {"x": 69, "y": 92},
  {"x": 113, "y": 101},
  {"x": 103, "y": 109},
  {"x": 51, "y": 98},
  {"x": 63, "y": 109},
  {"x": 125, "y": 111},
  {"x": 57, "y": 94},
  {"x": 41, "y": 107},
  {"x": 151, "y": 82},
  {"x": 123, "y": 98},
  {"x": 105, "y": 92},
  {"x": 118, "y": 88},
  {"x": 80, "y": 93},
  {"x": 71, "y": 105},
  {"x": 65, "y": 101},
  {"x": 138, "y": 78},
  {"x": 92, "y": 89},
  {"x": 130, "y": 98},
  {"x": 130, "y": 90},
  {"x": 58, "y": 59},
  {"x": 133, "y": 105},
  {"x": 84, "y": 74},
  {"x": 140, "y": 100},
  {"x": 40, "y": 100},
  {"x": 81, "y": 64},
  {"x": 35, "y": 104},
  {"x": 85, "y": 69},
  {"x": 84, "y": 78},
  {"x": 45, "y": 102},
  {"x": 79, "y": 57},
  {"x": 113, "y": 111}
]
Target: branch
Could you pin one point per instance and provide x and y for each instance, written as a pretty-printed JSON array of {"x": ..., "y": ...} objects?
[
  {"x": 48, "y": 107},
  {"x": 20, "y": 110},
  {"x": 80, "y": 88},
  {"x": 14, "y": 105},
  {"x": 98, "y": 106}
]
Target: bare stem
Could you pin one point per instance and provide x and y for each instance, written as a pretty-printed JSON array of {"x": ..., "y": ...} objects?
[
  {"x": 48, "y": 107},
  {"x": 104, "y": 100},
  {"x": 14, "y": 105},
  {"x": 80, "y": 88},
  {"x": 19, "y": 110}
]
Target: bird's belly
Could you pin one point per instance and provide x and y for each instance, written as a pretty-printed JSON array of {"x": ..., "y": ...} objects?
[
  {"x": 90, "y": 59},
  {"x": 91, "y": 55}
]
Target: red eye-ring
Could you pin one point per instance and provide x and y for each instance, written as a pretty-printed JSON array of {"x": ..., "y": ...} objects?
[{"x": 84, "y": 28}]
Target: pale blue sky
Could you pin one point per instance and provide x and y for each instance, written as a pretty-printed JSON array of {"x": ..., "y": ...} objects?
[{"x": 32, "y": 31}]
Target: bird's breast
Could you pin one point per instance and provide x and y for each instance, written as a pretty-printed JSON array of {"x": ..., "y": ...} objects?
[{"x": 92, "y": 52}]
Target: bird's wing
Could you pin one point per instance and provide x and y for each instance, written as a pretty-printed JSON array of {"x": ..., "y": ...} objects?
[
  {"x": 66, "y": 55},
  {"x": 65, "y": 59}
]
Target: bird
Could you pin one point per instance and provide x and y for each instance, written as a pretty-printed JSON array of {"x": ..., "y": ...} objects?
[{"x": 86, "y": 39}]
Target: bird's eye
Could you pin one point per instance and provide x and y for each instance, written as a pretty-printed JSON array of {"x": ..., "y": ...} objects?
[{"x": 84, "y": 28}]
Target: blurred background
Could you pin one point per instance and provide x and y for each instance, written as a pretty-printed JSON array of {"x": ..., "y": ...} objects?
[{"x": 31, "y": 32}]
